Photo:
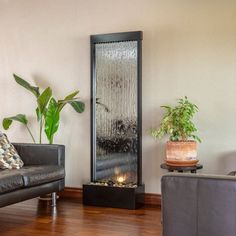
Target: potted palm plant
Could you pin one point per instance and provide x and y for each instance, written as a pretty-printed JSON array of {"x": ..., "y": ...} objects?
[
  {"x": 181, "y": 149},
  {"x": 47, "y": 112}
]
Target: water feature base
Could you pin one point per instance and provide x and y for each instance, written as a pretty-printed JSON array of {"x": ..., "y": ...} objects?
[{"x": 113, "y": 196}]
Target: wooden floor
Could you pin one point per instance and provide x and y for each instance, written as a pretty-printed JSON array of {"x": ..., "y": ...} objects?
[{"x": 72, "y": 218}]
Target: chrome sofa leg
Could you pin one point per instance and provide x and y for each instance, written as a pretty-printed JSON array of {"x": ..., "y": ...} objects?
[{"x": 54, "y": 199}]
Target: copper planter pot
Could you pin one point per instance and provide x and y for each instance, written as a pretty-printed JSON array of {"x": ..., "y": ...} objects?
[{"x": 181, "y": 153}]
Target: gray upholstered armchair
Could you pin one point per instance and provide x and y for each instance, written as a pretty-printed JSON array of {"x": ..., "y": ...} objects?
[{"x": 198, "y": 205}]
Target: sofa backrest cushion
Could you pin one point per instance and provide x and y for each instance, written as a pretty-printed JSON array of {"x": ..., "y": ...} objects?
[{"x": 9, "y": 158}]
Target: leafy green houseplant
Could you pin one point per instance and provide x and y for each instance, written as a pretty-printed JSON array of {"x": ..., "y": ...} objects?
[
  {"x": 47, "y": 111},
  {"x": 177, "y": 122}
]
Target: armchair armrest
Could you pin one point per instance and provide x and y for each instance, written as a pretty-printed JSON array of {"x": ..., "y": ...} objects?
[{"x": 41, "y": 154}]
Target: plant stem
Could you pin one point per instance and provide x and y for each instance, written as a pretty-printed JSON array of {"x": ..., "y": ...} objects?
[
  {"x": 51, "y": 140},
  {"x": 30, "y": 133},
  {"x": 40, "y": 130}
]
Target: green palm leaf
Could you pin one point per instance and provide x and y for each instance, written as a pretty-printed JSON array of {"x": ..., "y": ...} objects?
[
  {"x": 78, "y": 106},
  {"x": 67, "y": 99},
  {"x": 6, "y": 123},
  {"x": 43, "y": 100},
  {"x": 52, "y": 118},
  {"x": 26, "y": 85}
]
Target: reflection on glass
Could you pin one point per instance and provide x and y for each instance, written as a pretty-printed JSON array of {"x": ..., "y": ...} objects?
[{"x": 116, "y": 112}]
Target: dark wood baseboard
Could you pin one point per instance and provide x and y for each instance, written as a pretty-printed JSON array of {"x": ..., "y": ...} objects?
[
  {"x": 152, "y": 199},
  {"x": 77, "y": 193},
  {"x": 70, "y": 192}
]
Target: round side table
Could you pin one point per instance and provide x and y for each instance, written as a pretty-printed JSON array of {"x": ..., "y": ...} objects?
[{"x": 181, "y": 169}]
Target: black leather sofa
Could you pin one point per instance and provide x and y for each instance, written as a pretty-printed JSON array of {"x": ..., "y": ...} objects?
[
  {"x": 43, "y": 173},
  {"x": 198, "y": 205}
]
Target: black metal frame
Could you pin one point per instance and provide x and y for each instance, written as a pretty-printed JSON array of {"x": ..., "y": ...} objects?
[{"x": 116, "y": 37}]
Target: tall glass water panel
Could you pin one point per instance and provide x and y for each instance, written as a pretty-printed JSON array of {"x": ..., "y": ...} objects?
[{"x": 116, "y": 112}]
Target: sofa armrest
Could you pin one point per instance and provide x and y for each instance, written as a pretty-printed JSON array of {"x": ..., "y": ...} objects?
[{"x": 41, "y": 154}]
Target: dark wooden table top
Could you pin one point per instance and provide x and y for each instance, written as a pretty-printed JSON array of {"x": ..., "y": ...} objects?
[{"x": 192, "y": 169}]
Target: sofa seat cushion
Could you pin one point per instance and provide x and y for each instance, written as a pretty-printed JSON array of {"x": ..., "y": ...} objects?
[
  {"x": 40, "y": 174},
  {"x": 10, "y": 180}
]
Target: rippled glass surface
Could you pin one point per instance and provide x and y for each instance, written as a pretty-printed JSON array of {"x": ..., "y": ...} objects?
[{"x": 116, "y": 111}]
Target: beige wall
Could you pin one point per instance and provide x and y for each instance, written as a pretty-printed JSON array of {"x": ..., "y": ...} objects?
[{"x": 189, "y": 48}]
